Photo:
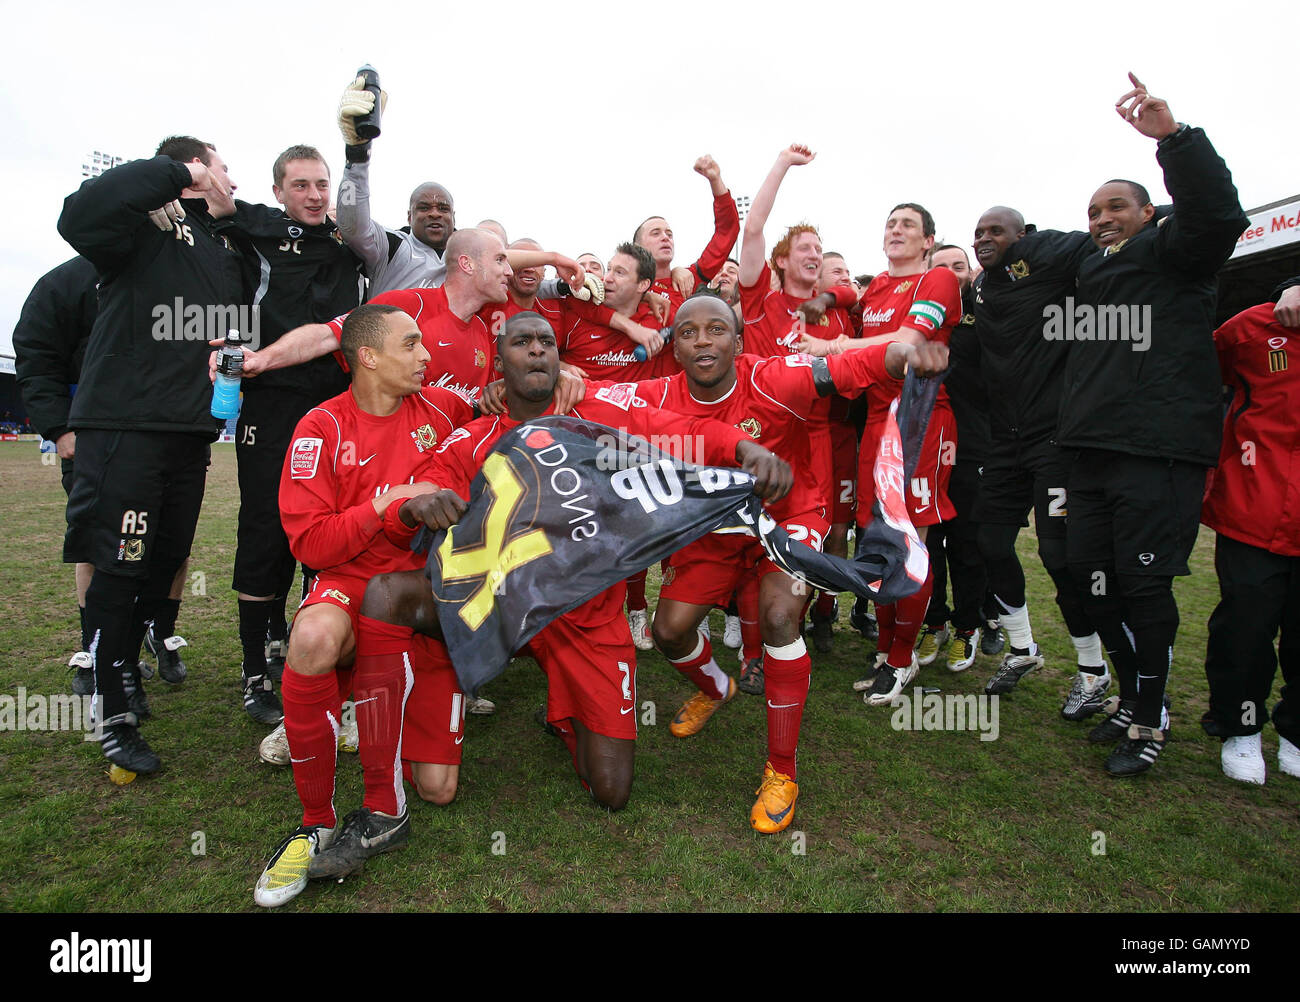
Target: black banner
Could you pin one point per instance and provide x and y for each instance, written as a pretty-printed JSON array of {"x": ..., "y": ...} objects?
[{"x": 564, "y": 509}]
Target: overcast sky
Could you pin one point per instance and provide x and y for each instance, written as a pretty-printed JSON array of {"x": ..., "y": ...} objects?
[{"x": 572, "y": 133}]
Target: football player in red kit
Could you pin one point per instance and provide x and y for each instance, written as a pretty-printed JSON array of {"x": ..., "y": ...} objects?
[
  {"x": 455, "y": 319},
  {"x": 351, "y": 458},
  {"x": 914, "y": 304},
  {"x": 769, "y": 399},
  {"x": 656, "y": 236},
  {"x": 775, "y": 320},
  {"x": 587, "y": 653}
]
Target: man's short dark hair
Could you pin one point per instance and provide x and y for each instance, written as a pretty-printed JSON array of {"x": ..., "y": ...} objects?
[
  {"x": 366, "y": 325},
  {"x": 927, "y": 220},
  {"x": 705, "y": 292},
  {"x": 950, "y": 247},
  {"x": 186, "y": 149},
  {"x": 294, "y": 153},
  {"x": 1140, "y": 193},
  {"x": 645, "y": 262}
]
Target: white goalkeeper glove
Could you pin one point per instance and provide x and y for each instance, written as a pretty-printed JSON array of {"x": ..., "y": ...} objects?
[
  {"x": 164, "y": 217},
  {"x": 592, "y": 289},
  {"x": 357, "y": 102}
]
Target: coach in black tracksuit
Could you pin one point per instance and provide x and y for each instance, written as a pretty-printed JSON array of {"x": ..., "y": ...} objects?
[
  {"x": 1146, "y": 423},
  {"x": 141, "y": 412},
  {"x": 1027, "y": 272},
  {"x": 296, "y": 274},
  {"x": 49, "y": 344},
  {"x": 50, "y": 341}
]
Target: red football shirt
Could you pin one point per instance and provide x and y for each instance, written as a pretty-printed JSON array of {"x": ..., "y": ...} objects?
[
  {"x": 342, "y": 459},
  {"x": 604, "y": 353},
  {"x": 461, "y": 352},
  {"x": 726, "y": 231},
  {"x": 772, "y": 328},
  {"x": 771, "y": 402},
  {"x": 928, "y": 303}
]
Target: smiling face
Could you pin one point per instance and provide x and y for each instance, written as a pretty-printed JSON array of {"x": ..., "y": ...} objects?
[
  {"x": 432, "y": 216},
  {"x": 528, "y": 359},
  {"x": 523, "y": 282},
  {"x": 954, "y": 259},
  {"x": 803, "y": 263},
  {"x": 1114, "y": 214},
  {"x": 305, "y": 191},
  {"x": 704, "y": 342},
  {"x": 997, "y": 230},
  {"x": 905, "y": 239},
  {"x": 727, "y": 278},
  {"x": 834, "y": 272}
]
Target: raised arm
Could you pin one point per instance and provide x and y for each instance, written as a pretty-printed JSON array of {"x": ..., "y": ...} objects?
[
  {"x": 753, "y": 248},
  {"x": 100, "y": 218},
  {"x": 1207, "y": 217},
  {"x": 365, "y": 237},
  {"x": 726, "y": 221}
]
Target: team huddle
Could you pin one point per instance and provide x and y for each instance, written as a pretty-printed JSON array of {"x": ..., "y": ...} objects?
[{"x": 389, "y": 362}]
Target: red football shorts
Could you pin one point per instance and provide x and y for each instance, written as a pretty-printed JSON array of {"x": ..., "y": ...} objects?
[
  {"x": 434, "y": 725},
  {"x": 591, "y": 674},
  {"x": 708, "y": 570}
]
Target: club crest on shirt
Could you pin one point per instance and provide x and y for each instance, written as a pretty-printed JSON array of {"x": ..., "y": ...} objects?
[
  {"x": 1277, "y": 359},
  {"x": 130, "y": 549},
  {"x": 902, "y": 287},
  {"x": 337, "y": 595},
  {"x": 425, "y": 437},
  {"x": 1018, "y": 269},
  {"x": 338, "y": 237},
  {"x": 670, "y": 573},
  {"x": 751, "y": 427},
  {"x": 480, "y": 359}
]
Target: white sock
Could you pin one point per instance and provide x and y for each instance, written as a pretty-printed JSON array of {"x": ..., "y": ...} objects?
[
  {"x": 1016, "y": 623},
  {"x": 1089, "y": 651}
]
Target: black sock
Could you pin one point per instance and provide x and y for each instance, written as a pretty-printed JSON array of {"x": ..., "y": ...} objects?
[
  {"x": 110, "y": 606},
  {"x": 165, "y": 611},
  {"x": 252, "y": 635},
  {"x": 277, "y": 627}
]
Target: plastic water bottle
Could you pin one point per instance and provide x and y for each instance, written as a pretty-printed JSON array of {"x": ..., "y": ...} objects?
[
  {"x": 367, "y": 126},
  {"x": 225, "y": 387},
  {"x": 639, "y": 352}
]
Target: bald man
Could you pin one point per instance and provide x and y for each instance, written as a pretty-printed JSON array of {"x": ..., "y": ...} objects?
[{"x": 455, "y": 320}]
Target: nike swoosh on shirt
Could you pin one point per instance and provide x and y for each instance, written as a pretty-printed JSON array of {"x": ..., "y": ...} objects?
[
  {"x": 444, "y": 344},
  {"x": 627, "y": 711},
  {"x": 460, "y": 739},
  {"x": 367, "y": 459}
]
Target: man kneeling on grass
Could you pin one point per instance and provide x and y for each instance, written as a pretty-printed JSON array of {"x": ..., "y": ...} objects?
[{"x": 587, "y": 653}]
